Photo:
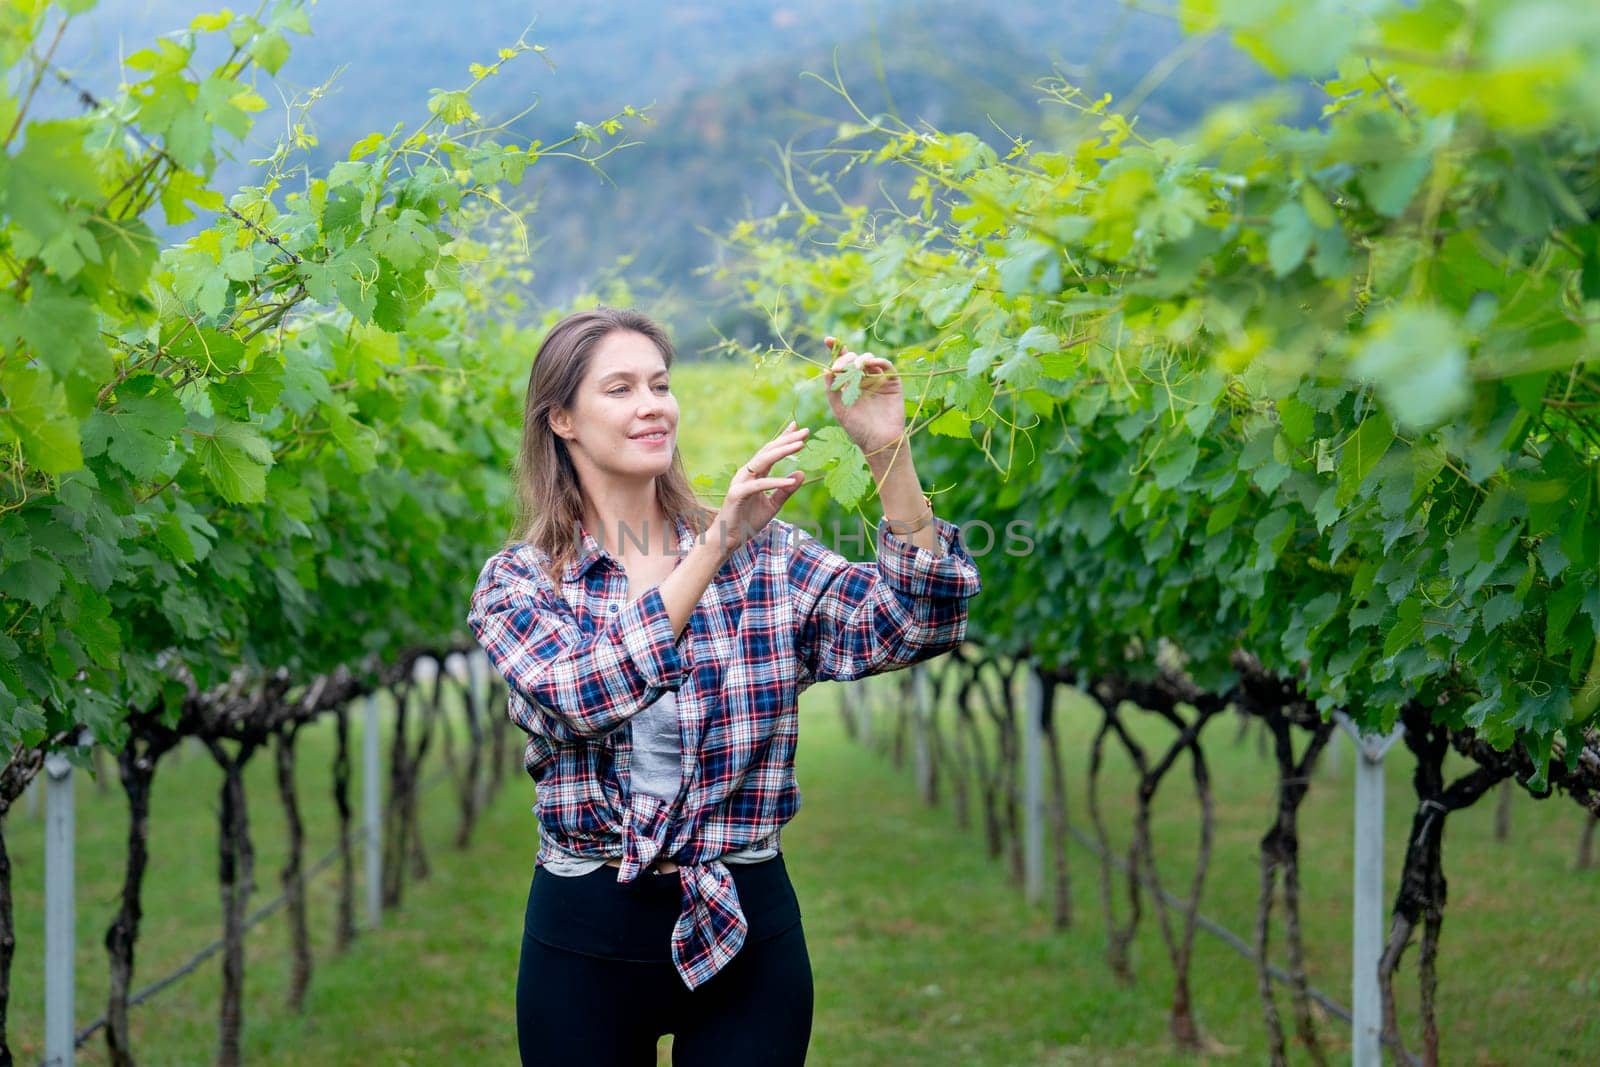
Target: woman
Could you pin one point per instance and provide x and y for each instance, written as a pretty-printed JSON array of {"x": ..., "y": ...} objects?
[{"x": 655, "y": 650}]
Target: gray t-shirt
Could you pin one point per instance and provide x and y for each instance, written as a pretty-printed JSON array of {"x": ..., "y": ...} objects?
[
  {"x": 654, "y": 770},
  {"x": 656, "y": 751}
]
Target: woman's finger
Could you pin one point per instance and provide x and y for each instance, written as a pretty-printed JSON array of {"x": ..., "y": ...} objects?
[
  {"x": 769, "y": 454},
  {"x": 763, "y": 485},
  {"x": 842, "y": 363},
  {"x": 869, "y": 364},
  {"x": 763, "y": 461},
  {"x": 792, "y": 432},
  {"x": 791, "y": 486}
]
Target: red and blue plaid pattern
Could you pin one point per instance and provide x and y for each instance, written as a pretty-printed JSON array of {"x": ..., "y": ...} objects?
[{"x": 782, "y": 613}]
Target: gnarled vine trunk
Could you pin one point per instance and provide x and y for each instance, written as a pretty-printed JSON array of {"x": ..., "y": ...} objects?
[
  {"x": 20, "y": 770},
  {"x": 1119, "y": 936},
  {"x": 292, "y": 877},
  {"x": 236, "y": 875},
  {"x": 345, "y": 924},
  {"x": 471, "y": 783},
  {"x": 1421, "y": 898},
  {"x": 1057, "y": 810},
  {"x": 136, "y": 768},
  {"x": 1282, "y": 707}
]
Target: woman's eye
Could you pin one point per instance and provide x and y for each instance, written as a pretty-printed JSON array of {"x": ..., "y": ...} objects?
[
  {"x": 663, "y": 388},
  {"x": 618, "y": 391}
]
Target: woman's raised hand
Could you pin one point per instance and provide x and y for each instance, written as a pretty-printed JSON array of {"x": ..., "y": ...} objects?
[
  {"x": 753, "y": 497},
  {"x": 877, "y": 419}
]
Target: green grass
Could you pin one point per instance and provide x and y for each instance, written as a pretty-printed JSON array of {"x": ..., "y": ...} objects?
[
  {"x": 980, "y": 979},
  {"x": 182, "y": 906},
  {"x": 921, "y": 949}
]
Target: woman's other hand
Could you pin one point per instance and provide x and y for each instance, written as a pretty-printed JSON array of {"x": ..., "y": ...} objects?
[
  {"x": 753, "y": 497},
  {"x": 876, "y": 421}
]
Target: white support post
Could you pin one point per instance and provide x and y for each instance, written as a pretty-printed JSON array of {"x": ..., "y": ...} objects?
[
  {"x": 1367, "y": 918},
  {"x": 921, "y": 699},
  {"x": 1032, "y": 785},
  {"x": 60, "y": 920},
  {"x": 372, "y": 803},
  {"x": 478, "y": 665}
]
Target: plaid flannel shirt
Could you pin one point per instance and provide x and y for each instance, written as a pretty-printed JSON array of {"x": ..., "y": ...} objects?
[{"x": 782, "y": 612}]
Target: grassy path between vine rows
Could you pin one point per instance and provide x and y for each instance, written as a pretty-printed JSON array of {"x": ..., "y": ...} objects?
[{"x": 921, "y": 949}]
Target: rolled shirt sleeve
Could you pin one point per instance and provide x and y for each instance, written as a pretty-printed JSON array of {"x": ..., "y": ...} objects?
[
  {"x": 857, "y": 619},
  {"x": 582, "y": 685}
]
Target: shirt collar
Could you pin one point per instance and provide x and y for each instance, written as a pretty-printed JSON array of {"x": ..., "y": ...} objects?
[{"x": 591, "y": 552}]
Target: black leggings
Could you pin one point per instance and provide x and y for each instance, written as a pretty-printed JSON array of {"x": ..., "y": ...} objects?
[{"x": 596, "y": 984}]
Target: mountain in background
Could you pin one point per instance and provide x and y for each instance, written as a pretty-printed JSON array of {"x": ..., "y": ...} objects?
[{"x": 724, "y": 85}]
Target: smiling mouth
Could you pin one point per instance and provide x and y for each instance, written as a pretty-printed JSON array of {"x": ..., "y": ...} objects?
[{"x": 659, "y": 435}]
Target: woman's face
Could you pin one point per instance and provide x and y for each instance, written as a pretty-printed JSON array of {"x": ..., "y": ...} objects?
[{"x": 623, "y": 421}]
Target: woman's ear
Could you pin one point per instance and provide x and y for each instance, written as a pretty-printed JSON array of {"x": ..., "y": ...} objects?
[{"x": 561, "y": 424}]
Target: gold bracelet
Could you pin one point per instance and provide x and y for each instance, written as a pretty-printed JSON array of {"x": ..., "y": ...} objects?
[{"x": 901, "y": 528}]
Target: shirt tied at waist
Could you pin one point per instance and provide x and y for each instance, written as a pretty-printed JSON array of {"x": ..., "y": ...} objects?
[{"x": 711, "y": 925}]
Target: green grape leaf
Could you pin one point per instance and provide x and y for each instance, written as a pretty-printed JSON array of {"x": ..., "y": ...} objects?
[
  {"x": 1407, "y": 627},
  {"x": 848, "y": 482},
  {"x": 1499, "y": 610},
  {"x": 36, "y": 414},
  {"x": 182, "y": 189},
  {"x": 271, "y": 51},
  {"x": 95, "y": 629},
  {"x": 941, "y": 304},
  {"x": 1290, "y": 238},
  {"x": 1174, "y": 462},
  {"x": 211, "y": 350},
  {"x": 1029, "y": 257},
  {"x": 355, "y": 279},
  {"x": 455, "y": 107},
  {"x": 1390, "y": 186},
  {"x": 1563, "y": 605},
  {"x": 1361, "y": 453},
  {"x": 253, "y": 391},
  {"x": 1417, "y": 359},
  {"x": 405, "y": 240},
  {"x": 1296, "y": 420},
  {"x": 59, "y": 326},
  {"x": 359, "y": 441},
  {"x": 235, "y": 458},
  {"x": 137, "y": 433},
  {"x": 188, "y": 139},
  {"x": 36, "y": 579},
  {"x": 847, "y": 382},
  {"x": 953, "y": 422},
  {"x": 847, "y": 476}
]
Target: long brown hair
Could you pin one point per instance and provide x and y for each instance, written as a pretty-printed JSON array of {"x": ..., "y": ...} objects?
[{"x": 549, "y": 496}]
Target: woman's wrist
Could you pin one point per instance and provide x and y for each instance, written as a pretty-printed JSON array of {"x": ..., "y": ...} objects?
[
  {"x": 682, "y": 589},
  {"x": 886, "y": 459},
  {"x": 900, "y": 490},
  {"x": 906, "y": 527},
  {"x": 907, "y": 510}
]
